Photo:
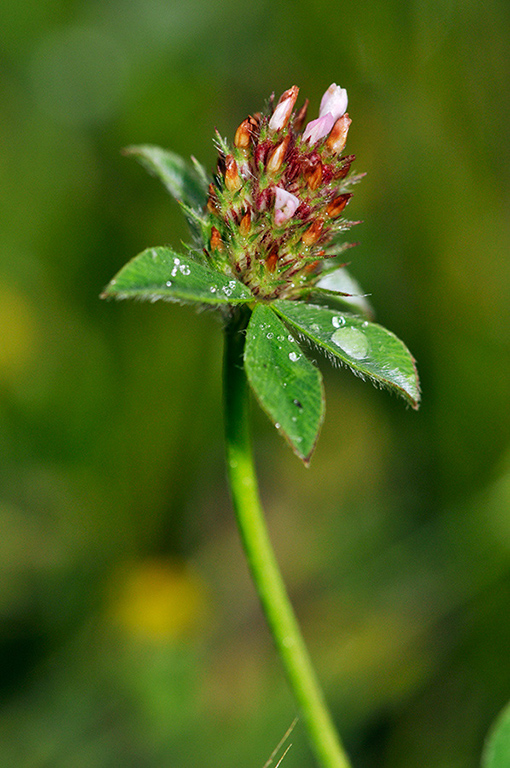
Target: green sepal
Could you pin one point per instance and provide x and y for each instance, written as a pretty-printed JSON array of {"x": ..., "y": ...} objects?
[
  {"x": 368, "y": 349},
  {"x": 288, "y": 387},
  {"x": 160, "y": 273}
]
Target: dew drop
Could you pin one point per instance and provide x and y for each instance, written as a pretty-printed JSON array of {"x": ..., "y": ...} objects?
[
  {"x": 213, "y": 289},
  {"x": 269, "y": 335},
  {"x": 232, "y": 284},
  {"x": 168, "y": 283},
  {"x": 184, "y": 269},
  {"x": 277, "y": 425},
  {"x": 154, "y": 253},
  {"x": 365, "y": 324},
  {"x": 177, "y": 261},
  {"x": 291, "y": 338},
  {"x": 338, "y": 321},
  {"x": 353, "y": 342},
  {"x": 226, "y": 291},
  {"x": 294, "y": 356},
  {"x": 281, "y": 338}
]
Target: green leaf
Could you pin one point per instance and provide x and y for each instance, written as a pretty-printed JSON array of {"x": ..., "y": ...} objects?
[
  {"x": 287, "y": 385},
  {"x": 160, "y": 273},
  {"x": 368, "y": 349},
  {"x": 497, "y": 748},
  {"x": 184, "y": 181}
]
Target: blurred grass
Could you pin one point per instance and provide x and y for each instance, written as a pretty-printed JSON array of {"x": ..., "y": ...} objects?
[{"x": 395, "y": 543}]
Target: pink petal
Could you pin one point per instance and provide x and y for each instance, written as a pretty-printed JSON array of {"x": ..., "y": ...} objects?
[
  {"x": 334, "y": 101},
  {"x": 317, "y": 129},
  {"x": 285, "y": 206},
  {"x": 283, "y": 109}
]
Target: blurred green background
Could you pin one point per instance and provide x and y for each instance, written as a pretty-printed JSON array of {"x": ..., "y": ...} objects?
[{"x": 130, "y": 633}]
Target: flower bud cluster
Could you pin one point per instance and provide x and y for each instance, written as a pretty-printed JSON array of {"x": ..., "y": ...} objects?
[{"x": 278, "y": 196}]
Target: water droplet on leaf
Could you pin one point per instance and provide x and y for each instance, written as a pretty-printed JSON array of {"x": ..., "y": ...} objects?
[
  {"x": 353, "y": 342},
  {"x": 338, "y": 321},
  {"x": 294, "y": 356}
]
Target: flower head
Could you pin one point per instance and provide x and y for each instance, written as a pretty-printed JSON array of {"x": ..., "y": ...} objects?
[
  {"x": 266, "y": 233},
  {"x": 274, "y": 208}
]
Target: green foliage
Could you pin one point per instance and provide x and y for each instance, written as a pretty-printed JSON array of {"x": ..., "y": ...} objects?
[
  {"x": 497, "y": 749},
  {"x": 288, "y": 387},
  {"x": 160, "y": 273},
  {"x": 186, "y": 183},
  {"x": 368, "y": 349}
]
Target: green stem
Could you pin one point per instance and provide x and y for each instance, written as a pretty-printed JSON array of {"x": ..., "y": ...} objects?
[{"x": 264, "y": 569}]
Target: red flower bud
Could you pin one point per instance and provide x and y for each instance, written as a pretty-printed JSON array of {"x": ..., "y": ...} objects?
[
  {"x": 283, "y": 109},
  {"x": 276, "y": 157},
  {"x": 314, "y": 177},
  {"x": 337, "y": 139},
  {"x": 212, "y": 201},
  {"x": 300, "y": 118},
  {"x": 243, "y": 134},
  {"x": 232, "y": 178},
  {"x": 313, "y": 232},
  {"x": 272, "y": 260},
  {"x": 245, "y": 225},
  {"x": 337, "y": 205},
  {"x": 216, "y": 241}
]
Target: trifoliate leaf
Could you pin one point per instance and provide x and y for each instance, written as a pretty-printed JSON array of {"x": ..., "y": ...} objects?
[
  {"x": 160, "y": 273},
  {"x": 368, "y": 349},
  {"x": 287, "y": 385}
]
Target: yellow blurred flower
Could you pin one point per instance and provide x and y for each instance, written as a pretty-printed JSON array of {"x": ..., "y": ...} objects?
[
  {"x": 160, "y": 600},
  {"x": 18, "y": 331}
]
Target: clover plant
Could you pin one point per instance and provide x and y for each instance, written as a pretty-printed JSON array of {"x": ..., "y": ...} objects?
[{"x": 267, "y": 253}]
